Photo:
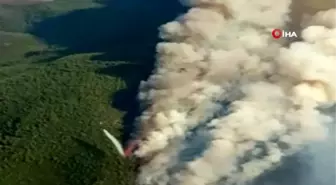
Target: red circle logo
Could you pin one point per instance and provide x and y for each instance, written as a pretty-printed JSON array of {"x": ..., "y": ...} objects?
[{"x": 276, "y": 33}]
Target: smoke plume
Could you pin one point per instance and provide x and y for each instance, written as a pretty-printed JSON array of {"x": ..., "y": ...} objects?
[{"x": 226, "y": 102}]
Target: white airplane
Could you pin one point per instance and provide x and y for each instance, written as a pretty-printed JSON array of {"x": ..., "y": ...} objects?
[{"x": 125, "y": 152}]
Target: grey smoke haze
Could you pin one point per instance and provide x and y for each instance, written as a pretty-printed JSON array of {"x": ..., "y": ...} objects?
[
  {"x": 23, "y": 2},
  {"x": 229, "y": 105}
]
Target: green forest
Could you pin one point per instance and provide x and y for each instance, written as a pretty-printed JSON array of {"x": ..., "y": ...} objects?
[{"x": 69, "y": 69}]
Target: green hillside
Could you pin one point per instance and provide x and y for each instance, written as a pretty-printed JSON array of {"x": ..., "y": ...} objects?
[
  {"x": 14, "y": 46},
  {"x": 51, "y": 106},
  {"x": 20, "y": 18},
  {"x": 49, "y": 119},
  {"x": 49, "y": 124},
  {"x": 66, "y": 67}
]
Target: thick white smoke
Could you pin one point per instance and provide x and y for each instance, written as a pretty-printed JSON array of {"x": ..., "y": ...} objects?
[{"x": 226, "y": 102}]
